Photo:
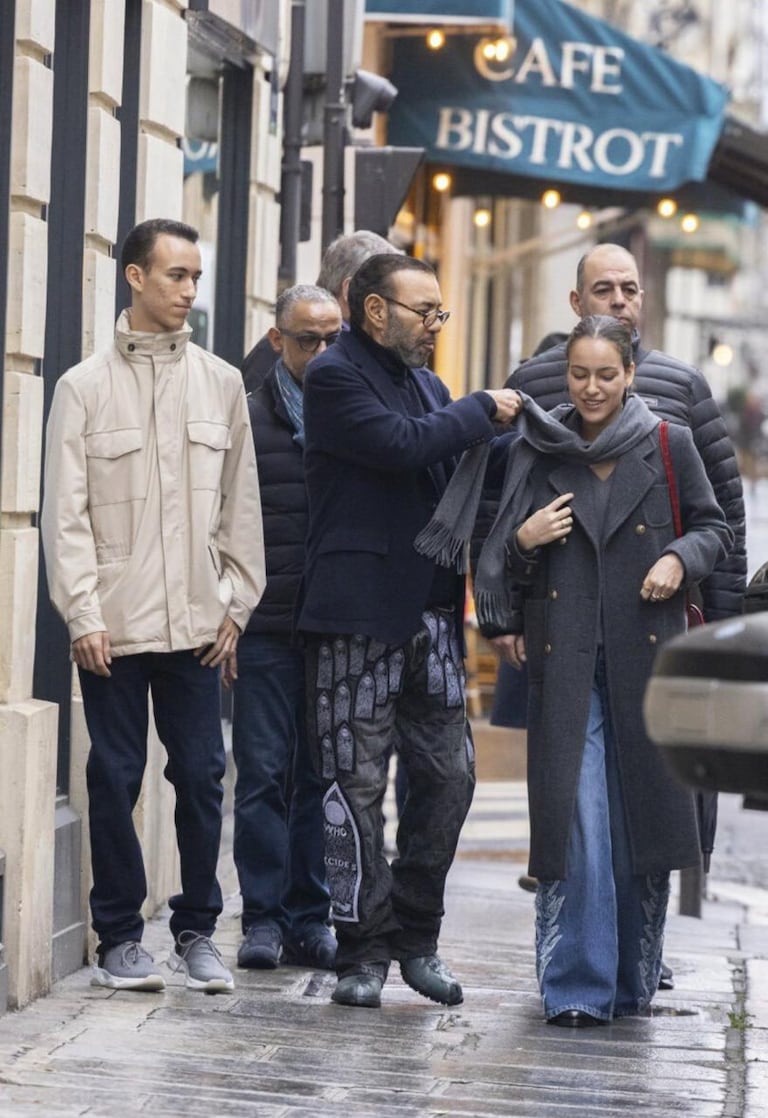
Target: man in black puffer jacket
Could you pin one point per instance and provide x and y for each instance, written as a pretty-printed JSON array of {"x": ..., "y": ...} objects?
[
  {"x": 278, "y": 843},
  {"x": 607, "y": 282}
]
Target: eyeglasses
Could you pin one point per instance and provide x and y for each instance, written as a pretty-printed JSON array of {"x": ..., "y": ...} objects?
[
  {"x": 310, "y": 343},
  {"x": 429, "y": 318}
]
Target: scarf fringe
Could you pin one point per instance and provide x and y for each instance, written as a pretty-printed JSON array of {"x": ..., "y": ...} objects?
[
  {"x": 493, "y": 608},
  {"x": 438, "y": 542}
]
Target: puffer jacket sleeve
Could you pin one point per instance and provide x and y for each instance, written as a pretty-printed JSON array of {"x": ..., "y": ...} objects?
[
  {"x": 240, "y": 536},
  {"x": 68, "y": 543},
  {"x": 723, "y": 590},
  {"x": 543, "y": 378}
]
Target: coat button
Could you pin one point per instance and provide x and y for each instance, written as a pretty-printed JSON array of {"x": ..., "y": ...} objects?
[
  {"x": 640, "y": 530},
  {"x": 652, "y": 638},
  {"x": 547, "y": 648},
  {"x": 563, "y": 540},
  {"x": 553, "y": 595},
  {"x": 173, "y": 346},
  {"x": 131, "y": 347}
]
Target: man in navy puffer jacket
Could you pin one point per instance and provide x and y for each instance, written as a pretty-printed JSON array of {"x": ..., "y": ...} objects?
[
  {"x": 278, "y": 842},
  {"x": 607, "y": 282}
]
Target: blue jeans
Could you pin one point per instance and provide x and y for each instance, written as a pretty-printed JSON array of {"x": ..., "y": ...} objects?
[
  {"x": 185, "y": 699},
  {"x": 599, "y": 934},
  {"x": 278, "y": 846}
]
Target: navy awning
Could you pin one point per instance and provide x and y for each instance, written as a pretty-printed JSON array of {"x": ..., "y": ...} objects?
[{"x": 574, "y": 101}]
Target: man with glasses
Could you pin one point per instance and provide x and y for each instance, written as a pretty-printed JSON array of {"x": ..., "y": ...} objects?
[
  {"x": 383, "y": 624},
  {"x": 278, "y": 843},
  {"x": 340, "y": 261}
]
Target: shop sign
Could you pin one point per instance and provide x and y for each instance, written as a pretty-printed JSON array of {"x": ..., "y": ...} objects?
[{"x": 564, "y": 97}]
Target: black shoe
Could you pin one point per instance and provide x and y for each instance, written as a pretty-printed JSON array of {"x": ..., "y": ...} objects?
[
  {"x": 530, "y": 884},
  {"x": 315, "y": 948},
  {"x": 666, "y": 978},
  {"x": 358, "y": 989},
  {"x": 574, "y": 1019},
  {"x": 428, "y": 975},
  {"x": 260, "y": 950}
]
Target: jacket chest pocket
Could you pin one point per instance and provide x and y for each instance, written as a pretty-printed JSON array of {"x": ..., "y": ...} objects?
[
  {"x": 657, "y": 510},
  {"x": 208, "y": 442},
  {"x": 115, "y": 466}
]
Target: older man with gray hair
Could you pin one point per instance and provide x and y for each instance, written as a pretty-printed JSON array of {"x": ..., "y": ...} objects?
[
  {"x": 278, "y": 844},
  {"x": 340, "y": 261}
]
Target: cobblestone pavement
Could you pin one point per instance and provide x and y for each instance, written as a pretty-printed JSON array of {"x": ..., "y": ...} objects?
[{"x": 278, "y": 1048}]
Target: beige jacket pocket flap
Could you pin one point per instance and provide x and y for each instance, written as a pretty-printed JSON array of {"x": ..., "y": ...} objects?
[
  {"x": 112, "y": 444},
  {"x": 212, "y": 434}
]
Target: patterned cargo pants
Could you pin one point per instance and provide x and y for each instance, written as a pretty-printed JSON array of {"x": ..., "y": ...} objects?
[{"x": 366, "y": 698}]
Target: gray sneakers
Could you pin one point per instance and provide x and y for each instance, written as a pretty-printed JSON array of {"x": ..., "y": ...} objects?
[
  {"x": 127, "y": 966},
  {"x": 199, "y": 957}
]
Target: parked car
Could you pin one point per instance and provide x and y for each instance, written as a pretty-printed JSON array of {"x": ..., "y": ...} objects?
[{"x": 706, "y": 704}]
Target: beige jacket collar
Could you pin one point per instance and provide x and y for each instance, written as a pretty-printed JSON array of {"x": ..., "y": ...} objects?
[{"x": 134, "y": 344}]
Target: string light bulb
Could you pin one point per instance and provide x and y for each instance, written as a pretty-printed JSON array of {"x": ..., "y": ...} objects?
[
  {"x": 441, "y": 182},
  {"x": 667, "y": 207},
  {"x": 550, "y": 199},
  {"x": 689, "y": 223},
  {"x": 482, "y": 218},
  {"x": 436, "y": 39},
  {"x": 584, "y": 220}
]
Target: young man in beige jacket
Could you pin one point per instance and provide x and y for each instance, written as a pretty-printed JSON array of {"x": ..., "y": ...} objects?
[{"x": 151, "y": 527}]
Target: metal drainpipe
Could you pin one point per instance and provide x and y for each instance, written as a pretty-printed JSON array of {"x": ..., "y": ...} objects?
[
  {"x": 333, "y": 131},
  {"x": 290, "y": 187}
]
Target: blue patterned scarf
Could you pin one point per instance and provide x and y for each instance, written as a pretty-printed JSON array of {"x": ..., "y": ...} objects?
[{"x": 292, "y": 396}]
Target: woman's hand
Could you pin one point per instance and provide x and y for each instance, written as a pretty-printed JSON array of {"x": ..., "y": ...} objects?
[
  {"x": 663, "y": 580},
  {"x": 511, "y": 648},
  {"x": 552, "y": 522}
]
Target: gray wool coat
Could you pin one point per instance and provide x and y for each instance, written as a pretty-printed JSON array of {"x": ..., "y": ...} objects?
[{"x": 562, "y": 587}]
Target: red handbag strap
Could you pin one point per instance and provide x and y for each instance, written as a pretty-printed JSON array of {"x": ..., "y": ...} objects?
[{"x": 674, "y": 500}]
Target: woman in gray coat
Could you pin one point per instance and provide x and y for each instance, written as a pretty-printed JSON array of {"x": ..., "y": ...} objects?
[
  {"x": 583, "y": 577},
  {"x": 584, "y": 572}
]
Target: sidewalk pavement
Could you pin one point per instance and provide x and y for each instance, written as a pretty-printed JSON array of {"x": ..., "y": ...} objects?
[{"x": 278, "y": 1048}]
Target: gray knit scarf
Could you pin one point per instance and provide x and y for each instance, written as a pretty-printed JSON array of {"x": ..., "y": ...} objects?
[{"x": 446, "y": 538}]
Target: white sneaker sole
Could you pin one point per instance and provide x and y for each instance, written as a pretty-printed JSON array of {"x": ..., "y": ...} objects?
[
  {"x": 101, "y": 977},
  {"x": 208, "y": 986}
]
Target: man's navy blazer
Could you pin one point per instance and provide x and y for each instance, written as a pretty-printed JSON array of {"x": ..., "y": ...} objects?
[{"x": 374, "y": 475}]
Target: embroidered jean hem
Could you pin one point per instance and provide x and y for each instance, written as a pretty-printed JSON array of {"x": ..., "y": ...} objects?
[{"x": 581, "y": 1007}]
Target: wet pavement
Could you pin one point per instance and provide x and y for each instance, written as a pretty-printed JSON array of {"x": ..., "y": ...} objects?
[{"x": 278, "y": 1048}]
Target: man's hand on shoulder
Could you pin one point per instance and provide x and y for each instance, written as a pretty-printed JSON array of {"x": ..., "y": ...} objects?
[
  {"x": 93, "y": 652},
  {"x": 223, "y": 650}
]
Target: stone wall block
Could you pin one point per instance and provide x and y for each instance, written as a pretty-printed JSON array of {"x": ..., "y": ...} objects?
[
  {"x": 27, "y": 797},
  {"x": 160, "y": 179},
  {"x": 264, "y": 223},
  {"x": 19, "y": 548},
  {"x": 105, "y": 63},
  {"x": 32, "y": 124},
  {"x": 36, "y": 24},
  {"x": 266, "y": 143},
  {"x": 27, "y": 279},
  {"x": 99, "y": 280},
  {"x": 22, "y": 442},
  {"x": 162, "y": 97},
  {"x": 102, "y": 191}
]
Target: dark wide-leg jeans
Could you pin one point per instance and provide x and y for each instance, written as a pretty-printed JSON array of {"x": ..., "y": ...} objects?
[
  {"x": 186, "y": 703},
  {"x": 366, "y": 697}
]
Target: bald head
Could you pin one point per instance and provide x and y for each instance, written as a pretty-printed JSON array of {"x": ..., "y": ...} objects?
[{"x": 607, "y": 282}]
